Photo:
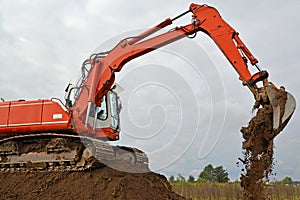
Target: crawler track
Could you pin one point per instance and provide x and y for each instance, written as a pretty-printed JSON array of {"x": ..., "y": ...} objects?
[{"x": 64, "y": 152}]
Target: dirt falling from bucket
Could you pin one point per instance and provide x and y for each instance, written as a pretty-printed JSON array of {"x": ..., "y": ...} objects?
[
  {"x": 258, "y": 150},
  {"x": 258, "y": 154}
]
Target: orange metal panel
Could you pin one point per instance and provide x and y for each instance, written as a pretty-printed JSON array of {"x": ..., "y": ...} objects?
[
  {"x": 33, "y": 116},
  {"x": 10, "y": 131},
  {"x": 53, "y": 113},
  {"x": 4, "y": 109},
  {"x": 107, "y": 133},
  {"x": 25, "y": 113}
]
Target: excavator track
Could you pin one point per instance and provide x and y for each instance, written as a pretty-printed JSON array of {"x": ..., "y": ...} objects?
[{"x": 65, "y": 152}]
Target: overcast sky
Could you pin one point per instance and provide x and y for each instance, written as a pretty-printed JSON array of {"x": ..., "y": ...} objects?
[{"x": 183, "y": 104}]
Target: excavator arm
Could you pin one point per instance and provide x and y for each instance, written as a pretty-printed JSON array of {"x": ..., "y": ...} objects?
[{"x": 206, "y": 19}]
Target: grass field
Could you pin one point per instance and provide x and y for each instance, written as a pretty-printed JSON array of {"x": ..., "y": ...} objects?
[{"x": 232, "y": 191}]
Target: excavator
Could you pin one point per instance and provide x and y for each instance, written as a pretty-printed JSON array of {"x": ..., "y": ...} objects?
[{"x": 48, "y": 134}]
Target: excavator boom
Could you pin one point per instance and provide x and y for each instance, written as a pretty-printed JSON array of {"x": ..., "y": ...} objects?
[{"x": 204, "y": 19}]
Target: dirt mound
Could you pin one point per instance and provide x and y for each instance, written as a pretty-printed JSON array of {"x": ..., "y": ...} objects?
[{"x": 102, "y": 183}]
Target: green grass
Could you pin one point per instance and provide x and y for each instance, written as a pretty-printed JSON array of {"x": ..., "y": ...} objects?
[{"x": 231, "y": 191}]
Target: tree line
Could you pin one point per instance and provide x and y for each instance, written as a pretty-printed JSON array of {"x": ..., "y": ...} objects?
[
  {"x": 209, "y": 174},
  {"x": 219, "y": 175}
]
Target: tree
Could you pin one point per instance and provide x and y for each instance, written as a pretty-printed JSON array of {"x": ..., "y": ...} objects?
[
  {"x": 191, "y": 179},
  {"x": 287, "y": 181},
  {"x": 207, "y": 173},
  {"x": 180, "y": 178},
  {"x": 171, "y": 179},
  {"x": 221, "y": 175},
  {"x": 212, "y": 174}
]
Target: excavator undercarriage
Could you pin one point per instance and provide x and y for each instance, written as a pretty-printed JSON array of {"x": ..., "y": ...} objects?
[{"x": 65, "y": 152}]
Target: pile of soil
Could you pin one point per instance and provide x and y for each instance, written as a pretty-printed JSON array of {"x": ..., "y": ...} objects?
[
  {"x": 101, "y": 183},
  {"x": 258, "y": 151}
]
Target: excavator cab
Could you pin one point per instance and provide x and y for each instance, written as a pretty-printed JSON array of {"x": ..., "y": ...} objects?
[
  {"x": 107, "y": 114},
  {"x": 104, "y": 118}
]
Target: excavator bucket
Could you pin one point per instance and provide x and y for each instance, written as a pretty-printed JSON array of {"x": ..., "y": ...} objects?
[{"x": 283, "y": 104}]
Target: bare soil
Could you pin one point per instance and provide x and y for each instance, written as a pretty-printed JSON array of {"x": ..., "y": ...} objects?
[{"x": 101, "y": 183}]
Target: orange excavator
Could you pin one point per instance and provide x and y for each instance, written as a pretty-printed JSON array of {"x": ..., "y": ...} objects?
[{"x": 47, "y": 134}]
